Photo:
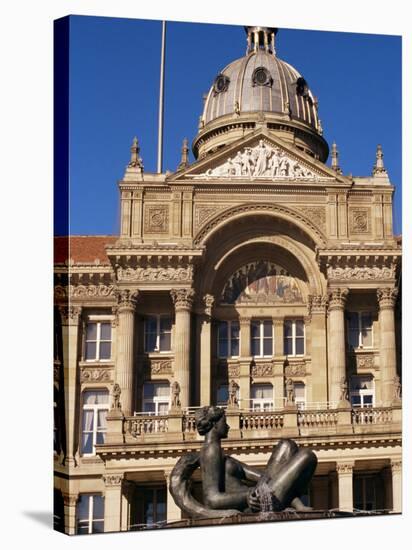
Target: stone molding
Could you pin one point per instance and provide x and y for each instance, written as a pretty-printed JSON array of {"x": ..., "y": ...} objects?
[
  {"x": 387, "y": 297},
  {"x": 113, "y": 480},
  {"x": 182, "y": 298},
  {"x": 295, "y": 369},
  {"x": 154, "y": 274},
  {"x": 127, "y": 300},
  {"x": 91, "y": 374},
  {"x": 161, "y": 366},
  {"x": 337, "y": 298}
]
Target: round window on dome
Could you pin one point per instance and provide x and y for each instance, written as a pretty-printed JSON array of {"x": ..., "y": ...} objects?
[
  {"x": 221, "y": 83},
  {"x": 261, "y": 77}
]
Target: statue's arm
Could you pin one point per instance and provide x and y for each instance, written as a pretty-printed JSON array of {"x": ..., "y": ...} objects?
[
  {"x": 213, "y": 470},
  {"x": 251, "y": 474}
]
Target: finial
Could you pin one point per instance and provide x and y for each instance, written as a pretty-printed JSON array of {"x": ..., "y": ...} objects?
[
  {"x": 135, "y": 160},
  {"x": 335, "y": 159},
  {"x": 320, "y": 128},
  {"x": 184, "y": 161},
  {"x": 379, "y": 167},
  {"x": 261, "y": 38}
]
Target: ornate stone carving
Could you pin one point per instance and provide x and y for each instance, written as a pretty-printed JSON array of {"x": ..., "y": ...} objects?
[
  {"x": 262, "y": 369},
  {"x": 298, "y": 369},
  {"x": 344, "y": 467},
  {"x": 365, "y": 362},
  {"x": 116, "y": 392},
  {"x": 208, "y": 301},
  {"x": 70, "y": 314},
  {"x": 182, "y": 298},
  {"x": 387, "y": 297},
  {"x": 396, "y": 465},
  {"x": 290, "y": 391},
  {"x": 263, "y": 161},
  {"x": 337, "y": 298},
  {"x": 233, "y": 371},
  {"x": 91, "y": 291},
  {"x": 60, "y": 292},
  {"x": 233, "y": 392},
  {"x": 127, "y": 300},
  {"x": 397, "y": 389},
  {"x": 359, "y": 220},
  {"x": 316, "y": 304},
  {"x": 344, "y": 389},
  {"x": 361, "y": 273},
  {"x": 155, "y": 274},
  {"x": 88, "y": 374},
  {"x": 203, "y": 213},
  {"x": 315, "y": 213},
  {"x": 156, "y": 219},
  {"x": 175, "y": 394},
  {"x": 161, "y": 366},
  {"x": 113, "y": 480}
]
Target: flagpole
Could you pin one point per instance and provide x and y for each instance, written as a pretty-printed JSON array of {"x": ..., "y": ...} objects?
[{"x": 161, "y": 101}]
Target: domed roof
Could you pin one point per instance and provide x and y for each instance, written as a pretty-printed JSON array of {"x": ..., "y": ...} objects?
[
  {"x": 260, "y": 88},
  {"x": 260, "y": 82}
]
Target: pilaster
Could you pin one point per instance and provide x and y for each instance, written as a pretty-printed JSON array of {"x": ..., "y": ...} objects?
[
  {"x": 206, "y": 350},
  {"x": 113, "y": 502},
  {"x": 345, "y": 485},
  {"x": 173, "y": 511},
  {"x": 337, "y": 353},
  {"x": 70, "y": 502},
  {"x": 387, "y": 299},
  {"x": 317, "y": 315},
  {"x": 396, "y": 468}
]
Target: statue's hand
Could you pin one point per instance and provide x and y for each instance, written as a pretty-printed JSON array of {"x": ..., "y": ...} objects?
[{"x": 253, "y": 500}]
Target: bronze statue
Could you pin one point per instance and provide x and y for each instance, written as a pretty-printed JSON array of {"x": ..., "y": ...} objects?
[{"x": 231, "y": 487}]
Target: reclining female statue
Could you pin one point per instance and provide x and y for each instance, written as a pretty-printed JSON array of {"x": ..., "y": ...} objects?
[{"x": 230, "y": 486}]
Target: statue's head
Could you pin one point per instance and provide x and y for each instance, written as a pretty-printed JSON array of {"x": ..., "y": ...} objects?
[{"x": 208, "y": 418}]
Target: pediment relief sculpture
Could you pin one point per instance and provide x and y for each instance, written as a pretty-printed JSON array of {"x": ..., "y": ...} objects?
[{"x": 263, "y": 161}]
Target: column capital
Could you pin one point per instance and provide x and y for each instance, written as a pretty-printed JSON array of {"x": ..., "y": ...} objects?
[
  {"x": 345, "y": 468},
  {"x": 126, "y": 300},
  {"x": 182, "y": 298},
  {"x": 70, "y": 499},
  {"x": 244, "y": 321},
  {"x": 70, "y": 315},
  {"x": 113, "y": 480},
  {"x": 396, "y": 465},
  {"x": 278, "y": 321},
  {"x": 387, "y": 297},
  {"x": 317, "y": 304},
  {"x": 337, "y": 298}
]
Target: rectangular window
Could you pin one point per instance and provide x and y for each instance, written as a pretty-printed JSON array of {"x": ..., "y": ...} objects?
[
  {"x": 90, "y": 514},
  {"x": 98, "y": 341},
  {"x": 158, "y": 333},
  {"x": 294, "y": 337},
  {"x": 359, "y": 324},
  {"x": 262, "y": 397},
  {"x": 362, "y": 391},
  {"x": 149, "y": 507},
  {"x": 261, "y": 338},
  {"x": 368, "y": 492},
  {"x": 300, "y": 394},
  {"x": 156, "y": 397},
  {"x": 95, "y": 407},
  {"x": 222, "y": 395},
  {"x": 228, "y": 339}
]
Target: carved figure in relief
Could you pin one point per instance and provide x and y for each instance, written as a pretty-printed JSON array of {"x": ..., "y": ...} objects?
[
  {"x": 261, "y": 155},
  {"x": 175, "y": 394},
  {"x": 344, "y": 389},
  {"x": 231, "y": 486},
  {"x": 290, "y": 391},
  {"x": 237, "y": 163},
  {"x": 397, "y": 388},
  {"x": 116, "y": 392},
  {"x": 247, "y": 162},
  {"x": 233, "y": 389}
]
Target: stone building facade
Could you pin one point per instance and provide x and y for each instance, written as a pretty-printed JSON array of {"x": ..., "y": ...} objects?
[{"x": 258, "y": 278}]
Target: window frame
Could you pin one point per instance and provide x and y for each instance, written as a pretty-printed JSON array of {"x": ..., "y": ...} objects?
[
  {"x": 294, "y": 337},
  {"x": 262, "y": 337},
  {"x": 229, "y": 339},
  {"x": 362, "y": 393},
  {"x": 98, "y": 321},
  {"x": 90, "y": 521},
  {"x": 300, "y": 403},
  {"x": 158, "y": 317},
  {"x": 360, "y": 314},
  {"x": 95, "y": 407},
  {"x": 262, "y": 401},
  {"x": 156, "y": 400}
]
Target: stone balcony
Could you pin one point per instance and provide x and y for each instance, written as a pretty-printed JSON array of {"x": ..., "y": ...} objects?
[{"x": 248, "y": 429}]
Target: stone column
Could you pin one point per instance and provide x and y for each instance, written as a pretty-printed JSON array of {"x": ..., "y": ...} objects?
[
  {"x": 173, "y": 511},
  {"x": 206, "y": 351},
  {"x": 70, "y": 502},
  {"x": 278, "y": 335},
  {"x": 345, "y": 485},
  {"x": 70, "y": 317},
  {"x": 183, "y": 301},
  {"x": 244, "y": 362},
  {"x": 387, "y": 300},
  {"x": 125, "y": 338},
  {"x": 127, "y": 492},
  {"x": 113, "y": 502},
  {"x": 396, "y": 467},
  {"x": 336, "y": 344},
  {"x": 317, "y": 314}
]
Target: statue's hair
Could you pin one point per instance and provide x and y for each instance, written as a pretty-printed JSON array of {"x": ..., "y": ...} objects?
[{"x": 206, "y": 418}]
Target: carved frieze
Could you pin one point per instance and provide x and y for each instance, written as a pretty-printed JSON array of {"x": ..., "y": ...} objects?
[
  {"x": 361, "y": 273},
  {"x": 83, "y": 291},
  {"x": 315, "y": 213},
  {"x": 161, "y": 366},
  {"x": 233, "y": 371},
  {"x": 264, "y": 161},
  {"x": 156, "y": 219},
  {"x": 262, "y": 370},
  {"x": 365, "y": 362},
  {"x": 344, "y": 468},
  {"x": 359, "y": 220},
  {"x": 297, "y": 369},
  {"x": 90, "y": 374},
  {"x": 155, "y": 274}
]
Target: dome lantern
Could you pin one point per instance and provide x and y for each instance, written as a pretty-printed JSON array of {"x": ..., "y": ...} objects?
[{"x": 261, "y": 38}]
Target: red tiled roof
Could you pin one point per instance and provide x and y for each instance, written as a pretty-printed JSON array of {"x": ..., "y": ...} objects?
[{"x": 82, "y": 248}]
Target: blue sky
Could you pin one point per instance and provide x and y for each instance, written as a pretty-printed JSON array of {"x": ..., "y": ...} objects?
[{"x": 114, "y": 88}]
